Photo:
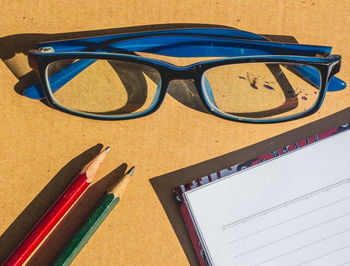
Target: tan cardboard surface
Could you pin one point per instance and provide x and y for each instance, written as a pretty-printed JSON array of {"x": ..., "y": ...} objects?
[{"x": 42, "y": 148}]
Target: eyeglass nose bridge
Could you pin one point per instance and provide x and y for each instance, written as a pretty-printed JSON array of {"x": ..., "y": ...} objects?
[
  {"x": 183, "y": 74},
  {"x": 194, "y": 75}
]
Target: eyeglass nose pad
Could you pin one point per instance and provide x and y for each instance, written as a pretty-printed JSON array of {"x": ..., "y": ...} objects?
[{"x": 208, "y": 91}]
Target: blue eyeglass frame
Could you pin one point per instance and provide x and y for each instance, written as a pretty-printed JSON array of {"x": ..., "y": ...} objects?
[{"x": 234, "y": 45}]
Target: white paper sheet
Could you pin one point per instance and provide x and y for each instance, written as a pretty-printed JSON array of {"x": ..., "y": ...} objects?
[{"x": 293, "y": 210}]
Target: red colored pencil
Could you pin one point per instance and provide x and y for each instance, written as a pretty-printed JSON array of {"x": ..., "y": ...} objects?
[{"x": 56, "y": 212}]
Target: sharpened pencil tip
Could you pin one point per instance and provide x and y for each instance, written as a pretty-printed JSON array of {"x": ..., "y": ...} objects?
[
  {"x": 131, "y": 171},
  {"x": 119, "y": 188},
  {"x": 91, "y": 168}
]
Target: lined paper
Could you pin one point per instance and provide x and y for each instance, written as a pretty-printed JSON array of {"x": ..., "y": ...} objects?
[{"x": 293, "y": 210}]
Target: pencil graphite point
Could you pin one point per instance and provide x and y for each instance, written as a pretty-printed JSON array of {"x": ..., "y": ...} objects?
[
  {"x": 108, "y": 149},
  {"x": 131, "y": 171}
]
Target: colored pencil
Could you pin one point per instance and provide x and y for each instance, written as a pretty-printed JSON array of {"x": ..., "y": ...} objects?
[
  {"x": 57, "y": 210},
  {"x": 93, "y": 222}
]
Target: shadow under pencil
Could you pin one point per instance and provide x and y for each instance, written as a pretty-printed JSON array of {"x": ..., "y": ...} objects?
[
  {"x": 23, "y": 224},
  {"x": 71, "y": 222}
]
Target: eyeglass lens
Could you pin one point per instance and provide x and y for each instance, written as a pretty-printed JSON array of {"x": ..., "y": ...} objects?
[
  {"x": 104, "y": 87},
  {"x": 262, "y": 90}
]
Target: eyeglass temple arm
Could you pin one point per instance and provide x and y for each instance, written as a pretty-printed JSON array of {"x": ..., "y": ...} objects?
[
  {"x": 312, "y": 76},
  {"x": 59, "y": 79},
  {"x": 220, "y": 47}
]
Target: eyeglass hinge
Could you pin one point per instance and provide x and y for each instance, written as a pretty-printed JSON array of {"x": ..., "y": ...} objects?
[{"x": 47, "y": 49}]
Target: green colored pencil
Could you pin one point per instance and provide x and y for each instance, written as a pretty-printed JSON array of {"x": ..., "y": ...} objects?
[{"x": 93, "y": 222}]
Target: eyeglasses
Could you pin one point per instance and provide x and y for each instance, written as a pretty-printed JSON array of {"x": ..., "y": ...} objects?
[{"x": 239, "y": 75}]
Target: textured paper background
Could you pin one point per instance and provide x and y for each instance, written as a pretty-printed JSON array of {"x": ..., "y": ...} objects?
[{"x": 39, "y": 143}]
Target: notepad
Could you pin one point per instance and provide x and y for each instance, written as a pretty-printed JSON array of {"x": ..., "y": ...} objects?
[{"x": 291, "y": 210}]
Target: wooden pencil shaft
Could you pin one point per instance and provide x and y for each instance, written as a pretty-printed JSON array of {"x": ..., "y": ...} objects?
[
  {"x": 94, "y": 221},
  {"x": 92, "y": 167},
  {"x": 119, "y": 189},
  {"x": 48, "y": 221},
  {"x": 87, "y": 230},
  {"x": 55, "y": 212}
]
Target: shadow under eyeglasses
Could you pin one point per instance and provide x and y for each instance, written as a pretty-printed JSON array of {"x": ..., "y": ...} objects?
[{"x": 13, "y": 49}]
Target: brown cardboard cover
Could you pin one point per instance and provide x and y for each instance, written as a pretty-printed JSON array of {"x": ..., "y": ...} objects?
[{"x": 42, "y": 148}]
